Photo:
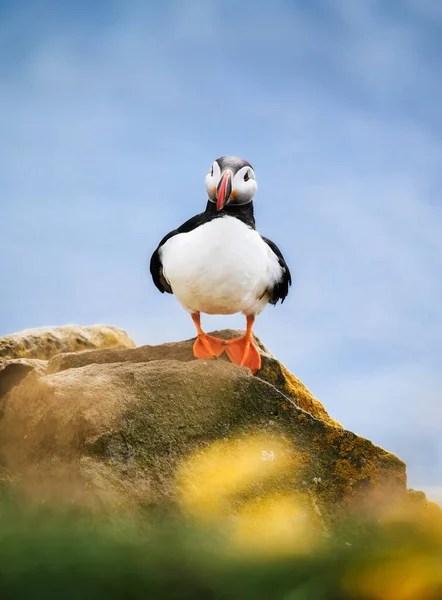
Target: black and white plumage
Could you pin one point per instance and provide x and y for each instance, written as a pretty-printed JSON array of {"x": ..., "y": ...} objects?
[{"x": 216, "y": 262}]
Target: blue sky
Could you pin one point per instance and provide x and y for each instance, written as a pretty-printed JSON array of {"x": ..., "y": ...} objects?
[{"x": 111, "y": 114}]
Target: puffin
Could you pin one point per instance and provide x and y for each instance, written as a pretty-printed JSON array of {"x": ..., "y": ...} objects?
[{"x": 216, "y": 263}]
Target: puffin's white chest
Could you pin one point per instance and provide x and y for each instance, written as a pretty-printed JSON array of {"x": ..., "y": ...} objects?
[{"x": 221, "y": 267}]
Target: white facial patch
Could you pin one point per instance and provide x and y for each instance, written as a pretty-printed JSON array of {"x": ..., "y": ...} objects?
[
  {"x": 244, "y": 184},
  {"x": 212, "y": 179}
]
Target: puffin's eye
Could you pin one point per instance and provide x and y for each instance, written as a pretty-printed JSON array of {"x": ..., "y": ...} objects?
[
  {"x": 211, "y": 171},
  {"x": 246, "y": 176}
]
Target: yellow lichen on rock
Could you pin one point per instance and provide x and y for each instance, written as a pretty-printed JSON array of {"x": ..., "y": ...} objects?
[
  {"x": 360, "y": 465},
  {"x": 277, "y": 375}
]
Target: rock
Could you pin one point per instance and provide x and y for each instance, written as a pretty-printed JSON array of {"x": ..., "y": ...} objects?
[
  {"x": 45, "y": 342},
  {"x": 417, "y": 501},
  {"x": 13, "y": 371},
  {"x": 151, "y": 426},
  {"x": 272, "y": 370}
]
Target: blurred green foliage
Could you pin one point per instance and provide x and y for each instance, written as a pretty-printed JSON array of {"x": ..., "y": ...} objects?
[{"x": 71, "y": 554}]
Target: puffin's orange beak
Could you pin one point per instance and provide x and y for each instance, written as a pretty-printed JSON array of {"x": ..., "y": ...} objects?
[{"x": 224, "y": 190}]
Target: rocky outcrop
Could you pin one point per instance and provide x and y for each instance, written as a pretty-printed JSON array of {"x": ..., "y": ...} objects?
[
  {"x": 272, "y": 370},
  {"x": 44, "y": 342},
  {"x": 150, "y": 425}
]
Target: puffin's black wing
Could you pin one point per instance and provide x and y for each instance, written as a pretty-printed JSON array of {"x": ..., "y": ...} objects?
[
  {"x": 156, "y": 267},
  {"x": 281, "y": 288}
]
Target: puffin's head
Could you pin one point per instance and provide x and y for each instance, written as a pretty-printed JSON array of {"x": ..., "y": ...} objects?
[{"x": 231, "y": 181}]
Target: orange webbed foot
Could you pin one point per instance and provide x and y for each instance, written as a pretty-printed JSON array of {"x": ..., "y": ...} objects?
[
  {"x": 207, "y": 346},
  {"x": 242, "y": 351}
]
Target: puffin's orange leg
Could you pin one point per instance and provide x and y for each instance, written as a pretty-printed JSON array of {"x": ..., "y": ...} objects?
[
  {"x": 206, "y": 346},
  {"x": 242, "y": 351}
]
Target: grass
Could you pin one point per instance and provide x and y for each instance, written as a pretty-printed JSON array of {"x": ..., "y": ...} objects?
[{"x": 48, "y": 553}]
